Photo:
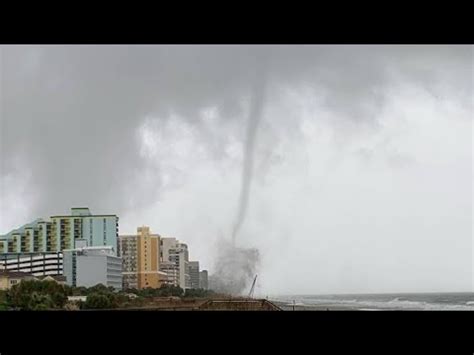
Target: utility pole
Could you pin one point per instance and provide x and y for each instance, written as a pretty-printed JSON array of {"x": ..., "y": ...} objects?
[{"x": 253, "y": 287}]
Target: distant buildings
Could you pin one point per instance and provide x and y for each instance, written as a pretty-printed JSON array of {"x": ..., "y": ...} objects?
[
  {"x": 62, "y": 232},
  {"x": 38, "y": 264},
  {"x": 150, "y": 260},
  {"x": 128, "y": 251},
  {"x": 194, "y": 274},
  {"x": 168, "y": 266},
  {"x": 203, "y": 280},
  {"x": 179, "y": 257},
  {"x": 88, "y": 250},
  {"x": 171, "y": 273},
  {"x": 89, "y": 266},
  {"x": 11, "y": 278},
  {"x": 141, "y": 260}
]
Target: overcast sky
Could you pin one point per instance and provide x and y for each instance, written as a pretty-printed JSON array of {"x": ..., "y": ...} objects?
[{"x": 363, "y": 156}]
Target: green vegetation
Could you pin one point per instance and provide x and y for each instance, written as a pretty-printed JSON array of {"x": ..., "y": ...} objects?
[
  {"x": 100, "y": 301},
  {"x": 199, "y": 293},
  {"x": 3, "y": 300},
  {"x": 37, "y": 295},
  {"x": 48, "y": 295},
  {"x": 163, "y": 291}
]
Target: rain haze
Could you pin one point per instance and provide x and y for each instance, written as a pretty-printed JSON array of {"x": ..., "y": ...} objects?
[{"x": 349, "y": 168}]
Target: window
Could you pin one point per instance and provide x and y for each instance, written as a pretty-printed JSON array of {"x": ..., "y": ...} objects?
[
  {"x": 105, "y": 234},
  {"x": 90, "y": 232}
]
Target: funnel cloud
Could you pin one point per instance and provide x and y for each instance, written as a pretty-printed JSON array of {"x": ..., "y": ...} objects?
[{"x": 349, "y": 168}]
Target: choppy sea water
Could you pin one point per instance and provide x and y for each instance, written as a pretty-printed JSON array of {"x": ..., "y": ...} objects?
[{"x": 375, "y": 302}]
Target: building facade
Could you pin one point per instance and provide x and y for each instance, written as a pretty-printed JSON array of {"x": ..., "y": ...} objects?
[
  {"x": 8, "y": 279},
  {"x": 62, "y": 232},
  {"x": 194, "y": 274},
  {"x": 141, "y": 259},
  {"x": 179, "y": 256},
  {"x": 38, "y": 264},
  {"x": 90, "y": 266},
  {"x": 170, "y": 273},
  {"x": 167, "y": 244},
  {"x": 128, "y": 252},
  {"x": 203, "y": 280}
]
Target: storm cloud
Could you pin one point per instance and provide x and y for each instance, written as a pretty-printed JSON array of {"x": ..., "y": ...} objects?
[{"x": 363, "y": 163}]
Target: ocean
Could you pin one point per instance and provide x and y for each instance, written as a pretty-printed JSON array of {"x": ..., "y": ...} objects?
[{"x": 375, "y": 302}]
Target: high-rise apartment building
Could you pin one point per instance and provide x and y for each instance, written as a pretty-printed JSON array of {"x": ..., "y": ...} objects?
[
  {"x": 128, "y": 252},
  {"x": 194, "y": 274},
  {"x": 63, "y": 232},
  {"x": 170, "y": 272},
  {"x": 179, "y": 256},
  {"x": 150, "y": 260},
  {"x": 176, "y": 255},
  {"x": 167, "y": 244},
  {"x": 203, "y": 280},
  {"x": 141, "y": 259}
]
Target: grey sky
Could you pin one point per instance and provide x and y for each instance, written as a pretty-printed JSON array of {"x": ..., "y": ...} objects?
[{"x": 363, "y": 160}]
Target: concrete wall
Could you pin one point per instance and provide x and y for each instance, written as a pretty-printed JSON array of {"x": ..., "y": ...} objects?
[
  {"x": 3, "y": 283},
  {"x": 91, "y": 270},
  {"x": 68, "y": 267}
]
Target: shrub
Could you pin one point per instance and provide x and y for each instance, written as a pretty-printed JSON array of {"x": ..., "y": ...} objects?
[
  {"x": 198, "y": 293},
  {"x": 98, "y": 301},
  {"x": 31, "y": 295}
]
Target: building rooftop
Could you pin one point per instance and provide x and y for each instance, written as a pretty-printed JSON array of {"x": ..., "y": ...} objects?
[
  {"x": 15, "y": 274},
  {"x": 59, "y": 278},
  {"x": 94, "y": 250}
]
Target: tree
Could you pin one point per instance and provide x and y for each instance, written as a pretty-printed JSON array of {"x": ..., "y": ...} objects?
[
  {"x": 98, "y": 301},
  {"x": 38, "y": 301},
  {"x": 99, "y": 288},
  {"x": 3, "y": 300},
  {"x": 170, "y": 290},
  {"x": 32, "y": 294},
  {"x": 79, "y": 291}
]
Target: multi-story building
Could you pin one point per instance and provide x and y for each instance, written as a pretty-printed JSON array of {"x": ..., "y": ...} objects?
[
  {"x": 176, "y": 255},
  {"x": 31, "y": 237},
  {"x": 203, "y": 280},
  {"x": 166, "y": 265},
  {"x": 62, "y": 232},
  {"x": 179, "y": 256},
  {"x": 89, "y": 266},
  {"x": 141, "y": 259},
  {"x": 194, "y": 274},
  {"x": 166, "y": 244},
  {"x": 128, "y": 252},
  {"x": 38, "y": 264},
  {"x": 171, "y": 273}
]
